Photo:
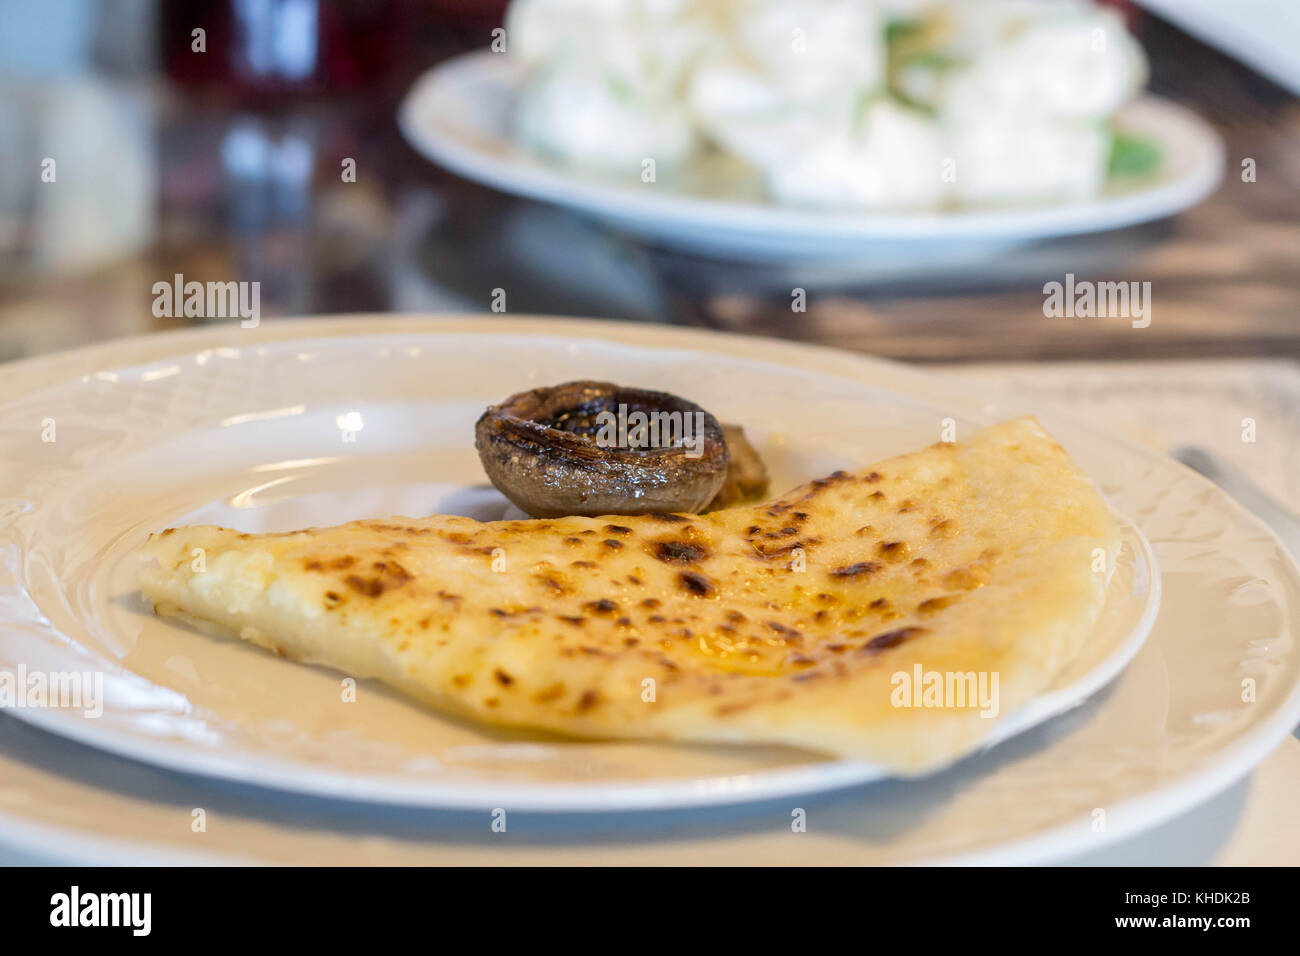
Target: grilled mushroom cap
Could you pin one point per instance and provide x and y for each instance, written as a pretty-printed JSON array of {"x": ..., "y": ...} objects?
[{"x": 561, "y": 451}]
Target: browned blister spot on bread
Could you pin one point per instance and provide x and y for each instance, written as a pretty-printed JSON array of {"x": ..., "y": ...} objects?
[
  {"x": 892, "y": 638},
  {"x": 678, "y": 552}
]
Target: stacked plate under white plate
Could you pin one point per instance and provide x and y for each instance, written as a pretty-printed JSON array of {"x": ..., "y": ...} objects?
[{"x": 325, "y": 421}]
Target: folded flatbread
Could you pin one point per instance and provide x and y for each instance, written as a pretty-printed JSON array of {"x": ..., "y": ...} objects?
[{"x": 815, "y": 620}]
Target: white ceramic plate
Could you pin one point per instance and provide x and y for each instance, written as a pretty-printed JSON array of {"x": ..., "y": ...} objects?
[
  {"x": 252, "y": 440},
  {"x": 1169, "y": 732},
  {"x": 457, "y": 115}
]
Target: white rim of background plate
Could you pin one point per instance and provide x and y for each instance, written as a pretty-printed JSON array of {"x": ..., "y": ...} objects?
[
  {"x": 684, "y": 792},
  {"x": 442, "y": 117},
  {"x": 1130, "y": 815}
]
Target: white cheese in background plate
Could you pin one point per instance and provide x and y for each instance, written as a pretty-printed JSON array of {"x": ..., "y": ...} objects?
[
  {"x": 1082, "y": 66},
  {"x": 892, "y": 158},
  {"x": 812, "y": 48},
  {"x": 1011, "y": 163},
  {"x": 579, "y": 114}
]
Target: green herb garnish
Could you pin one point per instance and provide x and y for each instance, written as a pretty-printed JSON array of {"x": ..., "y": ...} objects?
[{"x": 1132, "y": 155}]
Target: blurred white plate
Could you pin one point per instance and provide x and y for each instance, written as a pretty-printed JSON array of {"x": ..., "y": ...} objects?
[
  {"x": 458, "y": 115},
  {"x": 243, "y": 424}
]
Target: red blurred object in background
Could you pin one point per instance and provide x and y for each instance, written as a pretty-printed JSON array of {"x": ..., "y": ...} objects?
[
  {"x": 1126, "y": 8},
  {"x": 260, "y": 49}
]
